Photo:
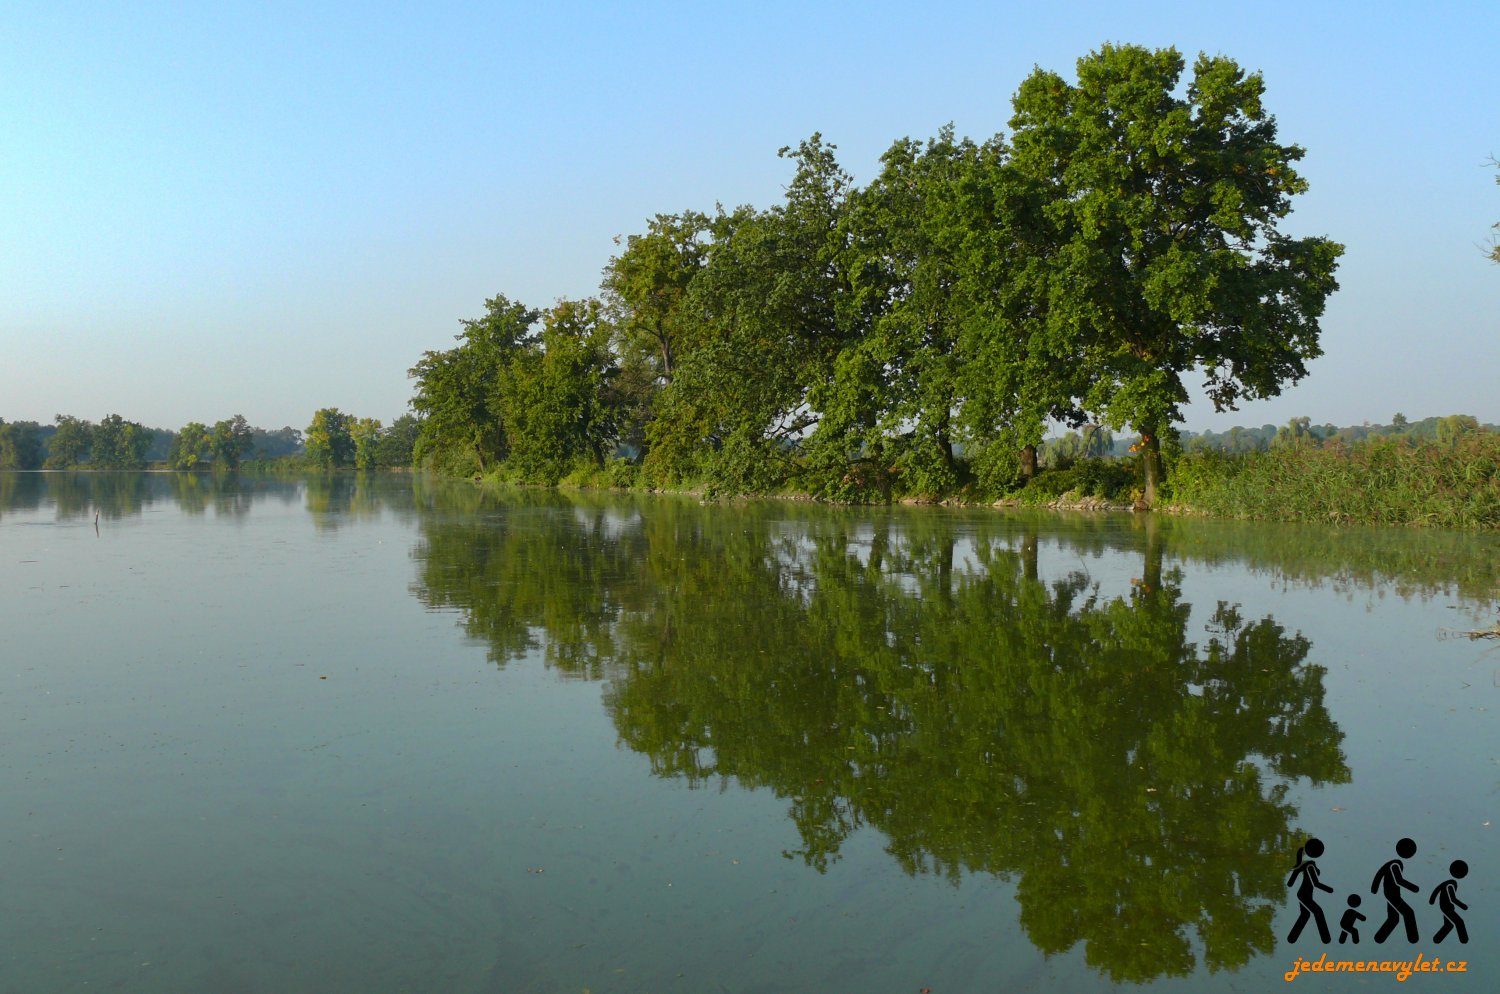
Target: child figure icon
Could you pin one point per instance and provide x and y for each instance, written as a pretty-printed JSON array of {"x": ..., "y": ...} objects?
[
  {"x": 1445, "y": 896},
  {"x": 1349, "y": 924}
]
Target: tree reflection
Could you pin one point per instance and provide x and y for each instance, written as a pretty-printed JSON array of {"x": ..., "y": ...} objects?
[
  {"x": 1130, "y": 775},
  {"x": 21, "y": 492}
]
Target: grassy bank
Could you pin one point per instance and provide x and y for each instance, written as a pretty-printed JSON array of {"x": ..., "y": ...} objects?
[{"x": 1453, "y": 483}]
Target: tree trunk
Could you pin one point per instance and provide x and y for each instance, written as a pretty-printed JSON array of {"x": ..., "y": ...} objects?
[
  {"x": 946, "y": 444},
  {"x": 666, "y": 353},
  {"x": 1028, "y": 463},
  {"x": 1151, "y": 464}
]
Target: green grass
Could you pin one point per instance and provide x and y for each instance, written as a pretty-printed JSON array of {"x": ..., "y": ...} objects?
[
  {"x": 1453, "y": 483},
  {"x": 1449, "y": 484}
]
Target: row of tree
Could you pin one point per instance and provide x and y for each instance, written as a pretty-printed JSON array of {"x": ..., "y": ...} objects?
[
  {"x": 334, "y": 440},
  {"x": 925, "y": 330},
  {"x": 1300, "y": 431},
  {"x": 113, "y": 443}
]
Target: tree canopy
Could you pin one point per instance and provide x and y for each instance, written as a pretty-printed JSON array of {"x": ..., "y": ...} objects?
[
  {"x": 1165, "y": 209},
  {"x": 920, "y": 334}
]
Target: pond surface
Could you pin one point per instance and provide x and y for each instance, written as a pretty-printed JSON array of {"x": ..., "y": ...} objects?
[{"x": 392, "y": 735}]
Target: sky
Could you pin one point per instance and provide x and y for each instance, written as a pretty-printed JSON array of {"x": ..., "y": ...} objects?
[{"x": 264, "y": 209}]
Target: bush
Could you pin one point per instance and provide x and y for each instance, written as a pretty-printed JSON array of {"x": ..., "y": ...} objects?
[{"x": 1106, "y": 479}]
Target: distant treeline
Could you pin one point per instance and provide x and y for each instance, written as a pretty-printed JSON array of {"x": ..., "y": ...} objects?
[
  {"x": 332, "y": 441},
  {"x": 1095, "y": 441},
  {"x": 341, "y": 441},
  {"x": 919, "y": 335}
]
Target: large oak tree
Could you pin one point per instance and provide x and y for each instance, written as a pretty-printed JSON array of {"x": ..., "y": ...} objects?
[{"x": 1166, "y": 205}]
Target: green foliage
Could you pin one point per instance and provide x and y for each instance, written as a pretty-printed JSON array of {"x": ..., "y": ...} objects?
[
  {"x": 458, "y": 391},
  {"x": 191, "y": 448},
  {"x": 896, "y": 384},
  {"x": 1455, "y": 427},
  {"x": 647, "y": 286},
  {"x": 365, "y": 434},
  {"x": 284, "y": 441},
  {"x": 1452, "y": 483},
  {"x": 615, "y": 474},
  {"x": 20, "y": 445},
  {"x": 909, "y": 337},
  {"x": 1105, "y": 479},
  {"x": 396, "y": 444},
  {"x": 70, "y": 444},
  {"x": 118, "y": 444},
  {"x": 1092, "y": 442},
  {"x": 1165, "y": 209},
  {"x": 231, "y": 441},
  {"x": 329, "y": 444},
  {"x": 552, "y": 395},
  {"x": 773, "y": 298}
]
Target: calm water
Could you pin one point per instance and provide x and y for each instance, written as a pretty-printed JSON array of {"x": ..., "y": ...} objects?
[{"x": 380, "y": 735}]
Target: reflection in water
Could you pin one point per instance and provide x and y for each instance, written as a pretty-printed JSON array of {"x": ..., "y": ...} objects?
[
  {"x": 337, "y": 499},
  {"x": 1128, "y": 775},
  {"x": 331, "y": 499}
]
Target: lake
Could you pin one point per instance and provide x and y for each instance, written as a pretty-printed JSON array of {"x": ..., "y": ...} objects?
[{"x": 391, "y": 734}]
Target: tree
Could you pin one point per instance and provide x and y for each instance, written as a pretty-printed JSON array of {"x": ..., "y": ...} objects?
[
  {"x": 232, "y": 440},
  {"x": 1455, "y": 426},
  {"x": 191, "y": 447},
  {"x": 284, "y": 441},
  {"x": 70, "y": 444},
  {"x": 328, "y": 442},
  {"x": 896, "y": 389},
  {"x": 119, "y": 444},
  {"x": 1296, "y": 432},
  {"x": 647, "y": 284},
  {"x": 20, "y": 445},
  {"x": 1167, "y": 252},
  {"x": 553, "y": 395},
  {"x": 394, "y": 448},
  {"x": 774, "y": 299},
  {"x": 365, "y": 434},
  {"x": 458, "y": 396},
  {"x": 1024, "y": 367}
]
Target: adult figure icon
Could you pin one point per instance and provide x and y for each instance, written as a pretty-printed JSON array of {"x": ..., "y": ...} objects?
[
  {"x": 1389, "y": 881},
  {"x": 1306, "y": 891}
]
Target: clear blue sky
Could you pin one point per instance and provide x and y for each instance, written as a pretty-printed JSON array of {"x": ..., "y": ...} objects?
[{"x": 210, "y": 209}]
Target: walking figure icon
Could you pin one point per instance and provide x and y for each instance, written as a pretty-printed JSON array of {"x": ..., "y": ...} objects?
[
  {"x": 1445, "y": 895},
  {"x": 1307, "y": 870},
  {"x": 1389, "y": 881}
]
